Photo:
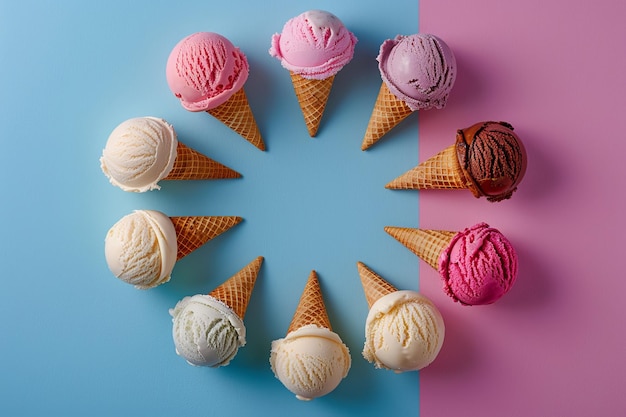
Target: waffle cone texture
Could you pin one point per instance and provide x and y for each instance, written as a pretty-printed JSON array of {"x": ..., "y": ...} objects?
[
  {"x": 194, "y": 231},
  {"x": 441, "y": 171},
  {"x": 425, "y": 243},
  {"x": 374, "y": 286},
  {"x": 388, "y": 112},
  {"x": 311, "y": 308},
  {"x": 192, "y": 165},
  {"x": 235, "y": 292},
  {"x": 312, "y": 96},
  {"x": 237, "y": 115}
]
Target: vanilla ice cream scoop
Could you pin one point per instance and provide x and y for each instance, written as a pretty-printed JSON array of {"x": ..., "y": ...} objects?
[
  {"x": 310, "y": 361},
  {"x": 206, "y": 331},
  {"x": 404, "y": 331},
  {"x": 139, "y": 153},
  {"x": 141, "y": 248}
]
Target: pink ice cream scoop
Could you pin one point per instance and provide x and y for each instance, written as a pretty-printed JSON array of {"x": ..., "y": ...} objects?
[
  {"x": 418, "y": 69},
  {"x": 479, "y": 265},
  {"x": 204, "y": 70},
  {"x": 314, "y": 45}
]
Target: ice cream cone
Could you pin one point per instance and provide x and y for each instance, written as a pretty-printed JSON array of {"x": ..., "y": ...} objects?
[
  {"x": 311, "y": 308},
  {"x": 388, "y": 112},
  {"x": 374, "y": 285},
  {"x": 192, "y": 165},
  {"x": 312, "y": 96},
  {"x": 427, "y": 244},
  {"x": 235, "y": 292},
  {"x": 194, "y": 231},
  {"x": 442, "y": 170},
  {"x": 237, "y": 114}
]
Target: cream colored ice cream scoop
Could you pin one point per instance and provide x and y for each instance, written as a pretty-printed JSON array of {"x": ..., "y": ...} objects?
[
  {"x": 311, "y": 360},
  {"x": 142, "y": 151},
  {"x": 139, "y": 153},
  {"x": 206, "y": 331},
  {"x": 141, "y": 248},
  {"x": 404, "y": 330}
]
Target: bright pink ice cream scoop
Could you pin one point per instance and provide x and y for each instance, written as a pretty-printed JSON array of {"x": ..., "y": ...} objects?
[
  {"x": 419, "y": 69},
  {"x": 479, "y": 265},
  {"x": 204, "y": 70},
  {"x": 314, "y": 45}
]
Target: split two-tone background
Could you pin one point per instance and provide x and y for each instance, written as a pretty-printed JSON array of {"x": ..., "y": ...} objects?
[{"x": 76, "y": 341}]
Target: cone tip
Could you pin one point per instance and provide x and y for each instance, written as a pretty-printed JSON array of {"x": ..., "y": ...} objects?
[{"x": 391, "y": 229}]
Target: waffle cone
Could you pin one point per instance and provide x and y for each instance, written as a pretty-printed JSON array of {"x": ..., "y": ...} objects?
[
  {"x": 194, "y": 231},
  {"x": 235, "y": 292},
  {"x": 312, "y": 96},
  {"x": 427, "y": 244},
  {"x": 237, "y": 114},
  {"x": 311, "y": 308},
  {"x": 388, "y": 112},
  {"x": 374, "y": 285},
  {"x": 192, "y": 165},
  {"x": 441, "y": 171}
]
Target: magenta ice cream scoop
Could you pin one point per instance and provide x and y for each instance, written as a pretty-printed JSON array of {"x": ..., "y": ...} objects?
[
  {"x": 479, "y": 265},
  {"x": 419, "y": 69}
]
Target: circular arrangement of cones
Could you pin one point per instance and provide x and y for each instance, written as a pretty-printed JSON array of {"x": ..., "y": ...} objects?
[{"x": 445, "y": 170}]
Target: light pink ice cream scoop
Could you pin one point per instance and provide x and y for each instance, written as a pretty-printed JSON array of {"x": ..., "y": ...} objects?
[
  {"x": 204, "y": 70},
  {"x": 314, "y": 45},
  {"x": 418, "y": 69},
  {"x": 479, "y": 265}
]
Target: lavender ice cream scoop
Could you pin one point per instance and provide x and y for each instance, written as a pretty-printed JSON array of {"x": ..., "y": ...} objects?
[{"x": 419, "y": 69}]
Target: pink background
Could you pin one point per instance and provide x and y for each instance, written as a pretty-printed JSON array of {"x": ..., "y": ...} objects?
[{"x": 554, "y": 345}]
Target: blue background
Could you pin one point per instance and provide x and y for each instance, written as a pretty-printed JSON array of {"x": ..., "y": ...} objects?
[{"x": 76, "y": 341}]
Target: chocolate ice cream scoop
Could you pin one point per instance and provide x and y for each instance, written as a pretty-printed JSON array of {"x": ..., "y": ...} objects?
[
  {"x": 487, "y": 158},
  {"x": 492, "y": 158}
]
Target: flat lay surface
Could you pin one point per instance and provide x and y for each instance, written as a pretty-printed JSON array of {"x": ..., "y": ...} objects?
[
  {"x": 553, "y": 345},
  {"x": 80, "y": 341},
  {"x": 77, "y": 341}
]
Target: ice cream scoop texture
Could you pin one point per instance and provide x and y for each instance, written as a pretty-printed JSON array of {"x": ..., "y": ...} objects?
[
  {"x": 204, "y": 70},
  {"x": 139, "y": 153},
  {"x": 141, "y": 248},
  {"x": 478, "y": 266},
  {"x": 206, "y": 331},
  {"x": 493, "y": 157},
  {"x": 404, "y": 330},
  {"x": 314, "y": 45},
  {"x": 311, "y": 360},
  {"x": 418, "y": 69}
]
